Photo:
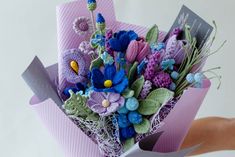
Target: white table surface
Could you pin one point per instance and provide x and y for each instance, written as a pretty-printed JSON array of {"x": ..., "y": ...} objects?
[{"x": 28, "y": 28}]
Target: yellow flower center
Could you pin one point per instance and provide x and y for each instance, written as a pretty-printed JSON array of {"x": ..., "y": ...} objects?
[
  {"x": 74, "y": 65},
  {"x": 108, "y": 83},
  {"x": 105, "y": 103}
]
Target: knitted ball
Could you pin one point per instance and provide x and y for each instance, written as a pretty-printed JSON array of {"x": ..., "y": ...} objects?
[
  {"x": 162, "y": 80},
  {"x": 127, "y": 132},
  {"x": 123, "y": 121}
]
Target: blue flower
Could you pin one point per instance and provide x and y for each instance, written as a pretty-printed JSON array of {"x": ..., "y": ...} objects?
[
  {"x": 123, "y": 121},
  {"x": 110, "y": 81},
  {"x": 100, "y": 18},
  {"x": 135, "y": 118},
  {"x": 79, "y": 88},
  {"x": 121, "y": 40},
  {"x": 107, "y": 58},
  {"x": 168, "y": 64},
  {"x": 98, "y": 40},
  {"x": 91, "y": 1},
  {"x": 157, "y": 47}
]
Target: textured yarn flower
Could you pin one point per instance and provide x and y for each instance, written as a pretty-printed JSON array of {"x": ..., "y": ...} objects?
[
  {"x": 168, "y": 64},
  {"x": 105, "y": 104},
  {"x": 121, "y": 40},
  {"x": 82, "y": 25},
  {"x": 109, "y": 81},
  {"x": 107, "y": 58},
  {"x": 98, "y": 40}
]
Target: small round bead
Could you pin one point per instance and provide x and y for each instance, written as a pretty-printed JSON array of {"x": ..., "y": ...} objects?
[
  {"x": 175, "y": 75},
  {"x": 198, "y": 77},
  {"x": 172, "y": 86},
  {"x": 108, "y": 83},
  {"x": 134, "y": 117},
  {"x": 123, "y": 110},
  {"x": 128, "y": 132},
  {"x": 132, "y": 104},
  {"x": 190, "y": 78},
  {"x": 123, "y": 121}
]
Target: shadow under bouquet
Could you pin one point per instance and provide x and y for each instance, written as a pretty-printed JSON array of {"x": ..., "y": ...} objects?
[{"x": 120, "y": 89}]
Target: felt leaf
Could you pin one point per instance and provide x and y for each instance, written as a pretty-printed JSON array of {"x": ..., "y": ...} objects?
[
  {"x": 143, "y": 127},
  {"x": 162, "y": 95},
  {"x": 128, "y": 144},
  {"x": 148, "y": 107},
  {"x": 137, "y": 86},
  {"x": 96, "y": 63},
  {"x": 132, "y": 71},
  {"x": 152, "y": 35},
  {"x": 128, "y": 93}
]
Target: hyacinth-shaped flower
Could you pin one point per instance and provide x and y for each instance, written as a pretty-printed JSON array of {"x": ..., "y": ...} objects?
[
  {"x": 105, "y": 104},
  {"x": 162, "y": 80},
  {"x": 86, "y": 48},
  {"x": 91, "y": 5},
  {"x": 82, "y": 25},
  {"x": 151, "y": 66},
  {"x": 100, "y": 22},
  {"x": 137, "y": 51},
  {"x": 176, "y": 31},
  {"x": 146, "y": 89}
]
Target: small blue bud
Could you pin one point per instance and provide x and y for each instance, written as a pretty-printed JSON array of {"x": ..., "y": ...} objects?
[
  {"x": 91, "y": 1},
  {"x": 132, "y": 104},
  {"x": 100, "y": 18},
  {"x": 123, "y": 110},
  {"x": 175, "y": 75},
  {"x": 198, "y": 77},
  {"x": 128, "y": 132},
  {"x": 172, "y": 86},
  {"x": 123, "y": 121},
  {"x": 134, "y": 117},
  {"x": 190, "y": 78}
]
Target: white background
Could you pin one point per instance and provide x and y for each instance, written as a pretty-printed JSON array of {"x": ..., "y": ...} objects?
[{"x": 28, "y": 28}]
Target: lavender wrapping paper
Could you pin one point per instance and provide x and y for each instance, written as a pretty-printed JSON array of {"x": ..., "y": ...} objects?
[{"x": 75, "y": 143}]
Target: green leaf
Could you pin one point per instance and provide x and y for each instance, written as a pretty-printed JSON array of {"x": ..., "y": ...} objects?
[
  {"x": 148, "y": 107},
  {"x": 137, "y": 86},
  {"x": 128, "y": 144},
  {"x": 162, "y": 95},
  {"x": 96, "y": 63},
  {"x": 132, "y": 71},
  {"x": 128, "y": 93},
  {"x": 152, "y": 35},
  {"x": 143, "y": 127}
]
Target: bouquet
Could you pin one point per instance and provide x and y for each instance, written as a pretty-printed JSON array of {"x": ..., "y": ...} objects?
[{"x": 120, "y": 89}]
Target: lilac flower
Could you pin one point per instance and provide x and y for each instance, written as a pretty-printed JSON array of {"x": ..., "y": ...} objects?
[
  {"x": 105, "y": 104},
  {"x": 82, "y": 25}
]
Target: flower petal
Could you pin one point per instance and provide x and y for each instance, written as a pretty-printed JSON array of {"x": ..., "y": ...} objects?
[
  {"x": 98, "y": 97},
  {"x": 109, "y": 72},
  {"x": 119, "y": 76},
  {"x": 113, "y": 107},
  {"x": 125, "y": 41},
  {"x": 121, "y": 101},
  {"x": 113, "y": 97},
  {"x": 119, "y": 88},
  {"x": 91, "y": 103},
  {"x": 132, "y": 35},
  {"x": 98, "y": 109},
  {"x": 115, "y": 44},
  {"x": 97, "y": 78}
]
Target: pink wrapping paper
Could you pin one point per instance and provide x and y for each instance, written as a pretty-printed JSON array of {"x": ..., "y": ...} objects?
[{"x": 76, "y": 144}]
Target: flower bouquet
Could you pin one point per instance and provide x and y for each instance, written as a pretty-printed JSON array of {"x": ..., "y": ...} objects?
[{"x": 120, "y": 89}]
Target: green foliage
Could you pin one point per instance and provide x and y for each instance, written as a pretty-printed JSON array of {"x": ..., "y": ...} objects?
[
  {"x": 148, "y": 107},
  {"x": 137, "y": 86},
  {"x": 161, "y": 95},
  {"x": 143, "y": 127},
  {"x": 152, "y": 35},
  {"x": 128, "y": 144}
]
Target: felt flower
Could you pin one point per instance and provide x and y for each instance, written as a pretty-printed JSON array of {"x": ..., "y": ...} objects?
[
  {"x": 86, "y": 48},
  {"x": 79, "y": 87},
  {"x": 168, "y": 64},
  {"x": 82, "y": 25},
  {"x": 75, "y": 66},
  {"x": 105, "y": 104},
  {"x": 107, "y": 58},
  {"x": 109, "y": 81},
  {"x": 121, "y": 40},
  {"x": 98, "y": 40},
  {"x": 137, "y": 51}
]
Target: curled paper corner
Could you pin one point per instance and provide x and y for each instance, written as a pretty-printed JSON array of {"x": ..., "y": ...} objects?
[
  {"x": 145, "y": 147},
  {"x": 38, "y": 79}
]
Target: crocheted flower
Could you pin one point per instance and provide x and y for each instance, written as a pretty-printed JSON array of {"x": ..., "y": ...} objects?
[
  {"x": 162, "y": 80},
  {"x": 110, "y": 81},
  {"x": 107, "y": 58},
  {"x": 100, "y": 22},
  {"x": 91, "y": 5},
  {"x": 137, "y": 51},
  {"x": 168, "y": 64},
  {"x": 151, "y": 66},
  {"x": 86, "y": 48},
  {"x": 157, "y": 47},
  {"x": 82, "y": 25},
  {"x": 98, "y": 40},
  {"x": 121, "y": 40},
  {"x": 146, "y": 89},
  {"x": 105, "y": 104},
  {"x": 75, "y": 66}
]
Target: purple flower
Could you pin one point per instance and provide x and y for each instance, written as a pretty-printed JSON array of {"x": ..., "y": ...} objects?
[
  {"x": 105, "y": 104},
  {"x": 82, "y": 25}
]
